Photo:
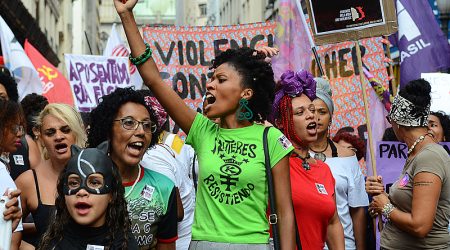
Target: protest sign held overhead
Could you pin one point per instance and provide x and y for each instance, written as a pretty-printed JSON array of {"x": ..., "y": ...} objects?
[
  {"x": 345, "y": 20},
  {"x": 91, "y": 77}
]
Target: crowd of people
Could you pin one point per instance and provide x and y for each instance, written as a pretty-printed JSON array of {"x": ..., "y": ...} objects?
[{"x": 115, "y": 178}]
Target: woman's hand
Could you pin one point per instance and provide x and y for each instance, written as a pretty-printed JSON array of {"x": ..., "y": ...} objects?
[
  {"x": 377, "y": 204},
  {"x": 374, "y": 185},
  {"x": 123, "y": 6},
  {"x": 13, "y": 211}
]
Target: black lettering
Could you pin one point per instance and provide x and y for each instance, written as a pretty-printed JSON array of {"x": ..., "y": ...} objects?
[
  {"x": 194, "y": 83},
  {"x": 165, "y": 58},
  {"x": 234, "y": 44},
  {"x": 383, "y": 148},
  {"x": 255, "y": 40},
  {"x": 252, "y": 147},
  {"x": 191, "y": 53},
  {"x": 343, "y": 63},
  {"x": 331, "y": 65},
  {"x": 179, "y": 76},
  {"x": 392, "y": 151},
  {"x": 403, "y": 150},
  {"x": 270, "y": 40},
  {"x": 208, "y": 179},
  {"x": 236, "y": 198},
  {"x": 217, "y": 44},
  {"x": 203, "y": 62},
  {"x": 180, "y": 53},
  {"x": 355, "y": 58}
]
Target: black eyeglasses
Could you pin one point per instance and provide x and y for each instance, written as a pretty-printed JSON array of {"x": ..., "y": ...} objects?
[{"x": 129, "y": 123}]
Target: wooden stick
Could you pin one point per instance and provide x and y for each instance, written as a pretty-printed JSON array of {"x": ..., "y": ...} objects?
[
  {"x": 369, "y": 126},
  {"x": 366, "y": 108},
  {"x": 391, "y": 69}
]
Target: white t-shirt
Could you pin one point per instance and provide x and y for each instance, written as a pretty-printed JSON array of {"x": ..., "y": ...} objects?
[
  {"x": 350, "y": 192},
  {"x": 7, "y": 182},
  {"x": 162, "y": 159}
]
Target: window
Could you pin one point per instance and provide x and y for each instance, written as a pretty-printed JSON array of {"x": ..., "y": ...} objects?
[{"x": 202, "y": 8}]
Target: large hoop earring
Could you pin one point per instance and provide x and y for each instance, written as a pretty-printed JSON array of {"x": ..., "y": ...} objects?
[{"x": 244, "y": 115}]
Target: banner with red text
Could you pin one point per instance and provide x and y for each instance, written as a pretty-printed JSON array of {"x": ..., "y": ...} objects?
[{"x": 184, "y": 54}]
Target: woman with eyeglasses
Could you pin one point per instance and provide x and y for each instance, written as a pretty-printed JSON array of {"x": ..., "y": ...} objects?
[
  {"x": 59, "y": 126},
  {"x": 351, "y": 199},
  {"x": 11, "y": 130},
  {"x": 124, "y": 119},
  {"x": 418, "y": 204}
]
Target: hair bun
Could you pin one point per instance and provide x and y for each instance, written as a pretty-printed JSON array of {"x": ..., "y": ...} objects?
[{"x": 418, "y": 92}]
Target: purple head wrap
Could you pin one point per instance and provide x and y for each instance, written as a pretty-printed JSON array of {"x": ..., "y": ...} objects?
[{"x": 293, "y": 84}]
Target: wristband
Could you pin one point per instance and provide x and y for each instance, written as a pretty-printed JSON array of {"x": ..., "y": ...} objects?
[
  {"x": 387, "y": 210},
  {"x": 142, "y": 58}
]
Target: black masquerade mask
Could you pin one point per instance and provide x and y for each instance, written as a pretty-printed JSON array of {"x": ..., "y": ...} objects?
[{"x": 90, "y": 169}]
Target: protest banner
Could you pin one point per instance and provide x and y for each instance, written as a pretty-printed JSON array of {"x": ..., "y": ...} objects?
[
  {"x": 440, "y": 91},
  {"x": 183, "y": 54},
  {"x": 347, "y": 20},
  {"x": 56, "y": 88},
  {"x": 91, "y": 77}
]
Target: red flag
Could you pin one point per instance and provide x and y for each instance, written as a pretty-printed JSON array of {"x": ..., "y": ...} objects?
[{"x": 55, "y": 86}]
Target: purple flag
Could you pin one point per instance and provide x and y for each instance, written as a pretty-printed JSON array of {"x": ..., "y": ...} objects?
[
  {"x": 422, "y": 45},
  {"x": 292, "y": 39}
]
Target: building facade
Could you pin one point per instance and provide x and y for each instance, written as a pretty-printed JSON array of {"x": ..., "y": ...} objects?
[
  {"x": 42, "y": 22},
  {"x": 242, "y": 11},
  {"x": 86, "y": 27},
  {"x": 147, "y": 12}
]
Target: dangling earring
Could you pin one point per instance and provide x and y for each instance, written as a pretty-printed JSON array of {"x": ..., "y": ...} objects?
[{"x": 247, "y": 115}]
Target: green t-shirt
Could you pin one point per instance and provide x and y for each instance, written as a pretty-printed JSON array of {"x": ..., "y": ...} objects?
[
  {"x": 232, "y": 194},
  {"x": 152, "y": 208}
]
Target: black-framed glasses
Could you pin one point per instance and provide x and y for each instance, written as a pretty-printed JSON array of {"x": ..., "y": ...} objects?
[{"x": 129, "y": 123}]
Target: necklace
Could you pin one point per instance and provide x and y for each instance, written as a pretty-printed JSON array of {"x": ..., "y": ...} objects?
[
  {"x": 134, "y": 184},
  {"x": 319, "y": 155},
  {"x": 305, "y": 163},
  {"x": 418, "y": 140}
]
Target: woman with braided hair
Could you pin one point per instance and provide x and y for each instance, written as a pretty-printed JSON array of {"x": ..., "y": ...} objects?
[
  {"x": 312, "y": 183},
  {"x": 230, "y": 211}
]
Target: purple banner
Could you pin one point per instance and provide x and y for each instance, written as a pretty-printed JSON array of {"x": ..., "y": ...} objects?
[
  {"x": 391, "y": 157},
  {"x": 422, "y": 45}
]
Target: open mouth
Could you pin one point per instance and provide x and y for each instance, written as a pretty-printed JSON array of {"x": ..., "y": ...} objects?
[
  {"x": 311, "y": 127},
  {"x": 210, "y": 98},
  {"x": 82, "y": 208},
  {"x": 61, "y": 148},
  {"x": 137, "y": 146}
]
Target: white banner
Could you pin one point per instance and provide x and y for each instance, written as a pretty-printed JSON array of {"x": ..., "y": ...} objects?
[
  {"x": 92, "y": 77},
  {"x": 18, "y": 63},
  {"x": 440, "y": 91}
]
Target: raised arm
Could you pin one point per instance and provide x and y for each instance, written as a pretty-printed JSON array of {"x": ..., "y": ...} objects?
[{"x": 174, "y": 105}]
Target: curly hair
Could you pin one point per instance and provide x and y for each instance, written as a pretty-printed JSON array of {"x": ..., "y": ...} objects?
[
  {"x": 11, "y": 114},
  {"x": 102, "y": 117},
  {"x": 116, "y": 215},
  {"x": 10, "y": 85},
  {"x": 418, "y": 92},
  {"x": 256, "y": 74},
  {"x": 32, "y": 105},
  {"x": 356, "y": 142},
  {"x": 445, "y": 123}
]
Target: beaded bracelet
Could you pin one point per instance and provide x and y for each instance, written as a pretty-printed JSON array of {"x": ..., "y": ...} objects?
[
  {"x": 142, "y": 58},
  {"x": 387, "y": 210}
]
